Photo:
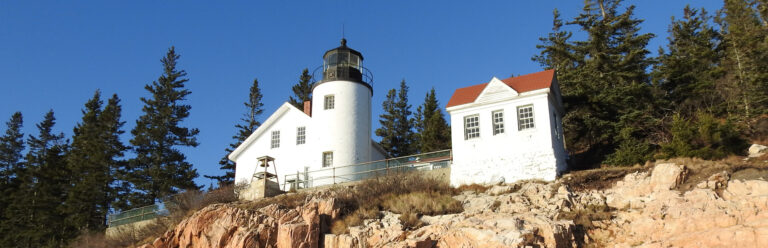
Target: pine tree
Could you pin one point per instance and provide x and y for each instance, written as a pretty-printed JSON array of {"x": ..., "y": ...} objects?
[
  {"x": 11, "y": 165},
  {"x": 746, "y": 58},
  {"x": 159, "y": 168},
  {"x": 406, "y": 139},
  {"x": 688, "y": 72},
  {"x": 245, "y": 129},
  {"x": 35, "y": 206},
  {"x": 93, "y": 159},
  {"x": 11, "y": 147},
  {"x": 605, "y": 86},
  {"x": 302, "y": 90},
  {"x": 432, "y": 131},
  {"x": 387, "y": 121}
]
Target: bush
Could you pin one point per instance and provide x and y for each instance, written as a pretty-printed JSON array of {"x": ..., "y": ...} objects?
[{"x": 703, "y": 137}]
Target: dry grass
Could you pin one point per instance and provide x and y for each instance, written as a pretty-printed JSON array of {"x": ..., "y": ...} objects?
[
  {"x": 583, "y": 222},
  {"x": 290, "y": 200},
  {"x": 598, "y": 179},
  {"x": 477, "y": 188},
  {"x": 409, "y": 194},
  {"x": 700, "y": 170}
]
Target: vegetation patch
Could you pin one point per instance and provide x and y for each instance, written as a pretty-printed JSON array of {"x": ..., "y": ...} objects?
[
  {"x": 583, "y": 220},
  {"x": 409, "y": 194},
  {"x": 599, "y": 179}
]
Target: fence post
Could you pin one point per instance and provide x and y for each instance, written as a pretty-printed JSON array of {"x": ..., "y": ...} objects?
[
  {"x": 386, "y": 161},
  {"x": 333, "y": 169}
]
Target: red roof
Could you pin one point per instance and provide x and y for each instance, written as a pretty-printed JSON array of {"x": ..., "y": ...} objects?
[{"x": 524, "y": 83}]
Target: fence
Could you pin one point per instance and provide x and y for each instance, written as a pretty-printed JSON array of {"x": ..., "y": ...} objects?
[
  {"x": 134, "y": 215},
  {"x": 356, "y": 172}
]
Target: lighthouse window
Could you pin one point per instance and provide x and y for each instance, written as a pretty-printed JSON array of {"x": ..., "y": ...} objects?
[
  {"x": 275, "y": 139},
  {"x": 471, "y": 127},
  {"x": 327, "y": 159},
  {"x": 329, "y": 102},
  {"x": 300, "y": 135},
  {"x": 525, "y": 117}
]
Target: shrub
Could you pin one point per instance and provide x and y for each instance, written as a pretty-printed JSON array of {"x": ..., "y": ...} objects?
[{"x": 703, "y": 137}]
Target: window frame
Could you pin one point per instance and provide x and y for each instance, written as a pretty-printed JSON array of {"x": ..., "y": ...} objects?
[
  {"x": 525, "y": 122},
  {"x": 329, "y": 102},
  {"x": 275, "y": 139},
  {"x": 301, "y": 135},
  {"x": 329, "y": 163},
  {"x": 497, "y": 124},
  {"x": 472, "y": 132}
]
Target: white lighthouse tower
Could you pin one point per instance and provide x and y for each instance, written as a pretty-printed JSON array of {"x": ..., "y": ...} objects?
[{"x": 341, "y": 108}]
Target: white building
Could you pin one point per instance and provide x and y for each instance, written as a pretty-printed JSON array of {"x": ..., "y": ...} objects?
[
  {"x": 507, "y": 130},
  {"x": 332, "y": 130}
]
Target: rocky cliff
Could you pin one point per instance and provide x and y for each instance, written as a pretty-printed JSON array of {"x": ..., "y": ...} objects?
[{"x": 643, "y": 209}]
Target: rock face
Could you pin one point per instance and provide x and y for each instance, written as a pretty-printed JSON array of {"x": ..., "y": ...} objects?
[
  {"x": 757, "y": 150},
  {"x": 645, "y": 210},
  {"x": 222, "y": 225}
]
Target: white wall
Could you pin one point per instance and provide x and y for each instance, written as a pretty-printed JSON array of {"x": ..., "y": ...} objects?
[
  {"x": 289, "y": 156},
  {"x": 346, "y": 129},
  {"x": 510, "y": 156}
]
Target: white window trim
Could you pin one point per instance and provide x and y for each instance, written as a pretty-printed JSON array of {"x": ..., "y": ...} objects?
[
  {"x": 494, "y": 123},
  {"x": 274, "y": 142},
  {"x": 519, "y": 120},
  {"x": 329, "y": 102},
  {"x": 301, "y": 135},
  {"x": 477, "y": 126},
  {"x": 324, "y": 164}
]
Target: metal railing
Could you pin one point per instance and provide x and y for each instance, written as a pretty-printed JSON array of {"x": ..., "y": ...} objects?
[
  {"x": 362, "y": 171},
  {"x": 134, "y": 215}
]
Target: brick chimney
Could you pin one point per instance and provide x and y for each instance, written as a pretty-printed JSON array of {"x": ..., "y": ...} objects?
[{"x": 308, "y": 108}]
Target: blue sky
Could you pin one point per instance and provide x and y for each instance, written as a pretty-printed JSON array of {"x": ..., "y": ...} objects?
[{"x": 55, "y": 54}]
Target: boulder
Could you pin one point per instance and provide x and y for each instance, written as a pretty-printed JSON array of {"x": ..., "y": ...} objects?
[
  {"x": 667, "y": 176},
  {"x": 757, "y": 150}
]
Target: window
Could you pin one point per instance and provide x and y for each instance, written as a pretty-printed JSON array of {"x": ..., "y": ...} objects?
[
  {"x": 327, "y": 159},
  {"x": 557, "y": 131},
  {"x": 498, "y": 121},
  {"x": 329, "y": 102},
  {"x": 300, "y": 135},
  {"x": 471, "y": 127},
  {"x": 525, "y": 117},
  {"x": 275, "y": 139}
]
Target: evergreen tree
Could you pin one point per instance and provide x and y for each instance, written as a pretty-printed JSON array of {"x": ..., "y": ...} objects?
[
  {"x": 605, "y": 87},
  {"x": 688, "y": 72},
  {"x": 93, "y": 159},
  {"x": 746, "y": 58},
  {"x": 11, "y": 164},
  {"x": 433, "y": 132},
  {"x": 159, "y": 168},
  {"x": 387, "y": 121},
  {"x": 11, "y": 147},
  {"x": 302, "y": 90},
  {"x": 37, "y": 219},
  {"x": 396, "y": 131},
  {"x": 245, "y": 129}
]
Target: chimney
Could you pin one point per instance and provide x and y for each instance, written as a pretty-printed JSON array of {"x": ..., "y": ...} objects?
[{"x": 308, "y": 108}]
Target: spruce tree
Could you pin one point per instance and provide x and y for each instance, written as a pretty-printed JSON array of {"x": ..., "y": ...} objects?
[
  {"x": 432, "y": 131},
  {"x": 11, "y": 148},
  {"x": 36, "y": 205},
  {"x": 687, "y": 73},
  {"x": 93, "y": 159},
  {"x": 302, "y": 90},
  {"x": 245, "y": 129},
  {"x": 387, "y": 121},
  {"x": 159, "y": 168},
  {"x": 405, "y": 143},
  {"x": 746, "y": 58},
  {"x": 605, "y": 87},
  {"x": 11, "y": 165}
]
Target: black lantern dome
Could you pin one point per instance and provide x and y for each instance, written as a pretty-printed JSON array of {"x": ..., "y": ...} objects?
[{"x": 344, "y": 63}]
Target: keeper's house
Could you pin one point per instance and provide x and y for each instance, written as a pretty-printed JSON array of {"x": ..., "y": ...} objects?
[{"x": 507, "y": 130}]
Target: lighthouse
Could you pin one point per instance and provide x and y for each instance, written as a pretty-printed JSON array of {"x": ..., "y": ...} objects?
[
  {"x": 341, "y": 108},
  {"x": 327, "y": 140}
]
